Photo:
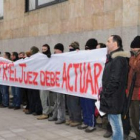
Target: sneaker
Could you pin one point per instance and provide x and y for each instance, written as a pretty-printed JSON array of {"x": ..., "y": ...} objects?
[
  {"x": 90, "y": 129},
  {"x": 74, "y": 124},
  {"x": 42, "y": 117},
  {"x": 83, "y": 126},
  {"x": 68, "y": 122},
  {"x": 52, "y": 119},
  {"x": 59, "y": 122},
  {"x": 107, "y": 134}
]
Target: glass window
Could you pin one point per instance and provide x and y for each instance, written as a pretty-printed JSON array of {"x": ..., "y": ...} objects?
[
  {"x": 1, "y": 8},
  {"x": 35, "y": 4}
]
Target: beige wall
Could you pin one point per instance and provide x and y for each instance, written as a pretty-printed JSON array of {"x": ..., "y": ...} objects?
[{"x": 68, "y": 18}]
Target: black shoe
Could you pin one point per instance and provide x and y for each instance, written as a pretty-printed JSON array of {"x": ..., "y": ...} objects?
[
  {"x": 125, "y": 137},
  {"x": 108, "y": 134},
  {"x": 11, "y": 107},
  {"x": 2, "y": 106},
  {"x": 28, "y": 112},
  {"x": 17, "y": 107},
  {"x": 36, "y": 114}
]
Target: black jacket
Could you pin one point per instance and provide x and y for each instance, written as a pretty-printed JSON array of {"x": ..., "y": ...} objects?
[{"x": 114, "y": 82}]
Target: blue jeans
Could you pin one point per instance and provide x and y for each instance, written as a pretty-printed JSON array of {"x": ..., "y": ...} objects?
[
  {"x": 88, "y": 110},
  {"x": 116, "y": 124},
  {"x": 5, "y": 95},
  {"x": 16, "y": 96}
]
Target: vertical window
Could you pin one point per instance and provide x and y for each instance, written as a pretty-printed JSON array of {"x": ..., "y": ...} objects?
[{"x": 1, "y": 8}]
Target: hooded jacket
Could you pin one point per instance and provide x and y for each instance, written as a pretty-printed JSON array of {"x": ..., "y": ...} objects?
[{"x": 114, "y": 82}]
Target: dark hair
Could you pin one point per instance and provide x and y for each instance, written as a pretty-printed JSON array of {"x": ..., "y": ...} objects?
[
  {"x": 8, "y": 55},
  {"x": 48, "y": 52},
  {"x": 16, "y": 55},
  {"x": 117, "y": 39},
  {"x": 102, "y": 45}
]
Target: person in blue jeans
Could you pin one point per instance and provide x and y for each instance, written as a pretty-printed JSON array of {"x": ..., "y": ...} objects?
[
  {"x": 4, "y": 88},
  {"x": 114, "y": 82},
  {"x": 15, "y": 90},
  {"x": 16, "y": 97},
  {"x": 5, "y": 96},
  {"x": 88, "y": 105}
]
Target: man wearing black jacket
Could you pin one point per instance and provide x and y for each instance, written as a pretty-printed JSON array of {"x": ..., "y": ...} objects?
[{"x": 114, "y": 85}]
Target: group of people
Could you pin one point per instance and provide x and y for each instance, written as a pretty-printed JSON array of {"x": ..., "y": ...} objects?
[{"x": 117, "y": 78}]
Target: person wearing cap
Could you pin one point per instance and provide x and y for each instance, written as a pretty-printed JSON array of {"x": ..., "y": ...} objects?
[
  {"x": 45, "y": 95},
  {"x": 73, "y": 102},
  {"x": 134, "y": 64},
  {"x": 59, "y": 107},
  {"x": 35, "y": 107},
  {"x": 88, "y": 105}
]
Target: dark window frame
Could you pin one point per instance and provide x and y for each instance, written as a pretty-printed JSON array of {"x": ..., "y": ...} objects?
[
  {"x": 1, "y": 17},
  {"x": 41, "y": 6}
]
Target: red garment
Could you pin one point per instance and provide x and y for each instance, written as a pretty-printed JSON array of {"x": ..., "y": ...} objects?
[{"x": 134, "y": 67}]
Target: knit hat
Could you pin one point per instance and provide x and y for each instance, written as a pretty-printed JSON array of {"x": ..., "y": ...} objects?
[
  {"x": 136, "y": 42},
  {"x": 75, "y": 45},
  {"x": 34, "y": 50},
  {"x": 59, "y": 46},
  {"x": 91, "y": 44}
]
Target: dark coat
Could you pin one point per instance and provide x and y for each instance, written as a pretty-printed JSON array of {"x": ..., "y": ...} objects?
[{"x": 114, "y": 82}]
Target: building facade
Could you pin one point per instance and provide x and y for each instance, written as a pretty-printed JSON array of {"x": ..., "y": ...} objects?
[{"x": 63, "y": 21}]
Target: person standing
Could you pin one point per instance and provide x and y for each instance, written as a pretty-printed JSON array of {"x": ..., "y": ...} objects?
[
  {"x": 114, "y": 82},
  {"x": 59, "y": 107},
  {"x": 134, "y": 64},
  {"x": 45, "y": 94}
]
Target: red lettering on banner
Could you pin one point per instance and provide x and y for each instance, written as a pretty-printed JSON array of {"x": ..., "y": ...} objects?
[
  {"x": 4, "y": 72},
  {"x": 35, "y": 78},
  {"x": 57, "y": 79},
  {"x": 11, "y": 72},
  {"x": 22, "y": 72},
  {"x": 64, "y": 78},
  {"x": 89, "y": 80},
  {"x": 29, "y": 77},
  {"x": 47, "y": 78},
  {"x": 52, "y": 79},
  {"x": 96, "y": 75},
  {"x": 68, "y": 76},
  {"x": 42, "y": 78},
  {"x": 76, "y": 66},
  {"x": 16, "y": 79},
  {"x": 82, "y": 78}
]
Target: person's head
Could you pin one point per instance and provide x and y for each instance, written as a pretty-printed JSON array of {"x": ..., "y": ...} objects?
[
  {"x": 46, "y": 50},
  {"x": 135, "y": 44},
  {"x": 74, "y": 46},
  {"x": 28, "y": 54},
  {"x": 34, "y": 50},
  {"x": 14, "y": 56},
  {"x": 100, "y": 45},
  {"x": 91, "y": 44},
  {"x": 114, "y": 42},
  {"x": 58, "y": 48},
  {"x": 7, "y": 55},
  {"x": 21, "y": 55}
]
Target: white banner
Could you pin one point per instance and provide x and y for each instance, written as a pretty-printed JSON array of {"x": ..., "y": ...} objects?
[{"x": 74, "y": 73}]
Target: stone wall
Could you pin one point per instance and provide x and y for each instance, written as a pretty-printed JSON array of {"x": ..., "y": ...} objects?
[{"x": 68, "y": 21}]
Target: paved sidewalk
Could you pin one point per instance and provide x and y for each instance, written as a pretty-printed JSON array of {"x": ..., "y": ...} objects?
[{"x": 15, "y": 125}]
